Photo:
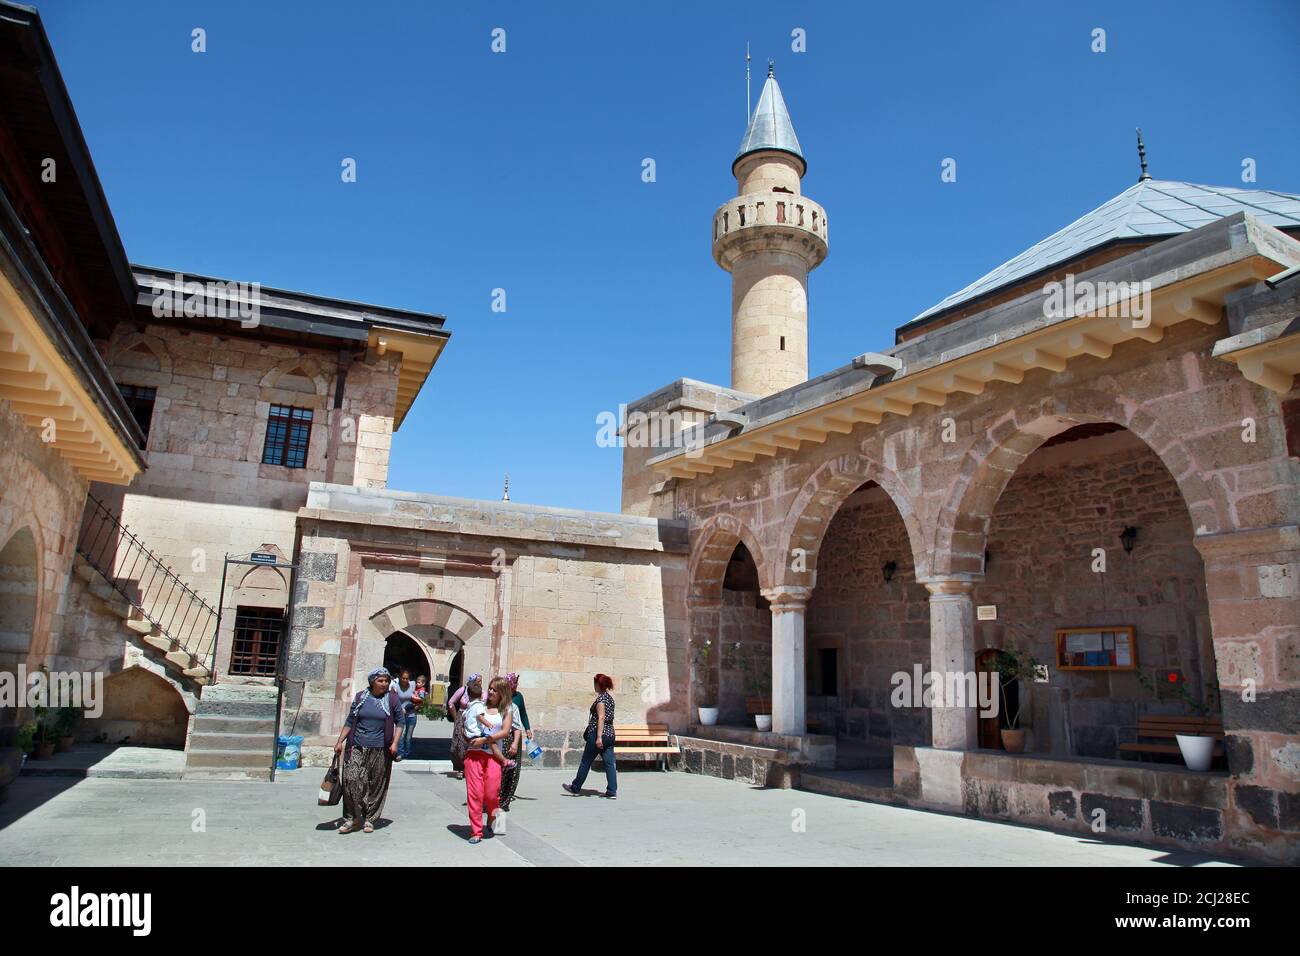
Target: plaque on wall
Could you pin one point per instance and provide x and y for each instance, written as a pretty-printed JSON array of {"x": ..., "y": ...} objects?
[{"x": 1096, "y": 649}]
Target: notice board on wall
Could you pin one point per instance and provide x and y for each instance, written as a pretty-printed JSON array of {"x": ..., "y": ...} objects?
[{"x": 1104, "y": 648}]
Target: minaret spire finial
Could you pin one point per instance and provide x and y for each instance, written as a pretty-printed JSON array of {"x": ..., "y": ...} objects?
[
  {"x": 1142, "y": 157},
  {"x": 505, "y": 493},
  {"x": 747, "y": 105},
  {"x": 771, "y": 67}
]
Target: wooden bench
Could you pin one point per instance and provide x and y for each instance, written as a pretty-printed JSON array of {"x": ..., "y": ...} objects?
[
  {"x": 649, "y": 739},
  {"x": 1160, "y": 727}
]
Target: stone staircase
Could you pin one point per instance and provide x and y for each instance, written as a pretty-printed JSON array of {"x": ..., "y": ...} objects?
[
  {"x": 142, "y": 632},
  {"x": 233, "y": 737}
]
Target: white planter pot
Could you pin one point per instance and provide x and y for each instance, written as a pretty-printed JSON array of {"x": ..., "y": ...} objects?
[
  {"x": 708, "y": 716},
  {"x": 1198, "y": 752},
  {"x": 763, "y": 721}
]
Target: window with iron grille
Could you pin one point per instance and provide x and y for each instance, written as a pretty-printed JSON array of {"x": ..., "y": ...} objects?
[
  {"x": 288, "y": 430},
  {"x": 257, "y": 641},
  {"x": 140, "y": 399}
]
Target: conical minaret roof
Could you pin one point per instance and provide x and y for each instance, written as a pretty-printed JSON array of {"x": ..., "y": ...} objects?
[{"x": 770, "y": 126}]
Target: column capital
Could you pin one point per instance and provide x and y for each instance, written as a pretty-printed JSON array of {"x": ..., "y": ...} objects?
[
  {"x": 1248, "y": 541},
  {"x": 787, "y": 597},
  {"x": 955, "y": 584}
]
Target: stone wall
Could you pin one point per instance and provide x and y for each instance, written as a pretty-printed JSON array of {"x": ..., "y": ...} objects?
[
  {"x": 41, "y": 498},
  {"x": 553, "y": 594},
  {"x": 1104, "y": 799},
  {"x": 206, "y": 492}
]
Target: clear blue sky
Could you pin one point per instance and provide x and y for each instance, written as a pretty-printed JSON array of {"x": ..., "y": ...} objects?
[{"x": 522, "y": 171}]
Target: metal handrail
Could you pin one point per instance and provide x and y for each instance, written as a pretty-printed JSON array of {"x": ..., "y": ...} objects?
[{"x": 149, "y": 585}]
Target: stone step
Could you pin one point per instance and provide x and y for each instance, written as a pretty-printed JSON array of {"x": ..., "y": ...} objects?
[
  {"x": 207, "y": 741},
  {"x": 205, "y": 723},
  {"x": 179, "y": 660},
  {"x": 144, "y": 626},
  {"x": 874, "y": 786},
  {"x": 247, "y": 760},
  {"x": 210, "y": 773},
  {"x": 215, "y": 703}
]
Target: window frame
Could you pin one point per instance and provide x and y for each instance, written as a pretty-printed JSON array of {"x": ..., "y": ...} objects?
[{"x": 284, "y": 424}]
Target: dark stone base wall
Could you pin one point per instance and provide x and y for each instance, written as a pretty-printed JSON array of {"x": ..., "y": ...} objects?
[{"x": 1129, "y": 802}]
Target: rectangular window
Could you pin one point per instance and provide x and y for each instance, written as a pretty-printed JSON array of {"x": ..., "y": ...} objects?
[
  {"x": 140, "y": 400},
  {"x": 257, "y": 641},
  {"x": 288, "y": 430}
]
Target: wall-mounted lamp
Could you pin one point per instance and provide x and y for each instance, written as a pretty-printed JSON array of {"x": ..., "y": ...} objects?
[
  {"x": 888, "y": 569},
  {"x": 1128, "y": 537}
]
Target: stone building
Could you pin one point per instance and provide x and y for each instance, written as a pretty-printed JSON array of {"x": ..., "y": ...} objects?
[{"x": 1102, "y": 434}]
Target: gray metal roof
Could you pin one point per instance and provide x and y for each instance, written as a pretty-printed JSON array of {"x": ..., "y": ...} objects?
[
  {"x": 770, "y": 126},
  {"x": 1151, "y": 207}
]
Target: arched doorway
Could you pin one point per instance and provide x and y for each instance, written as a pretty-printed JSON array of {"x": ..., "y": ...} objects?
[
  {"x": 402, "y": 652},
  {"x": 1092, "y": 530},
  {"x": 19, "y": 593},
  {"x": 745, "y": 639},
  {"x": 19, "y": 574},
  {"x": 868, "y": 620}
]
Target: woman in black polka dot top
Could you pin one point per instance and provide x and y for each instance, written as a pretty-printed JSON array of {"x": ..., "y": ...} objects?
[{"x": 599, "y": 736}]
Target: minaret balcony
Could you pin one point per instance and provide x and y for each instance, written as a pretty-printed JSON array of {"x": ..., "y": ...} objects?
[{"x": 769, "y": 222}]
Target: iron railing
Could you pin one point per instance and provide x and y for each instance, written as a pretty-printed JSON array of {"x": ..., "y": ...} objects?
[{"x": 150, "y": 586}]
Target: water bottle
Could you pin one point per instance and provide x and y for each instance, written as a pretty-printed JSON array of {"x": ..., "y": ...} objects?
[{"x": 534, "y": 749}]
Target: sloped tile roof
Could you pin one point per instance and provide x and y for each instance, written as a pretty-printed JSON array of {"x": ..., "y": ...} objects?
[{"x": 1151, "y": 207}]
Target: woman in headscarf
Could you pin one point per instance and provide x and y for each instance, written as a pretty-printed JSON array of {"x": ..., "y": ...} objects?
[
  {"x": 521, "y": 729},
  {"x": 459, "y": 703},
  {"x": 368, "y": 743}
]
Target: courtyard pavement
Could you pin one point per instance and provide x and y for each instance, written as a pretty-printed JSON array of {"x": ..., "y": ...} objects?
[{"x": 660, "y": 819}]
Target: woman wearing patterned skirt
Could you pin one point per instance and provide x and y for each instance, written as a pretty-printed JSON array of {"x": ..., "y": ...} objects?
[
  {"x": 368, "y": 743},
  {"x": 514, "y": 750}
]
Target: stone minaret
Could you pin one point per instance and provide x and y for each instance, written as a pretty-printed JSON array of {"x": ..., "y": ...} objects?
[{"x": 769, "y": 238}]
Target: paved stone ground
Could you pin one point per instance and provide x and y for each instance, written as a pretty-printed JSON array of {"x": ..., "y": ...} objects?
[
  {"x": 659, "y": 819},
  {"x": 110, "y": 760}
]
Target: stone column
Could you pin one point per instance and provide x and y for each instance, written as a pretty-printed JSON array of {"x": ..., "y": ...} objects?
[
  {"x": 789, "y": 707},
  {"x": 952, "y": 650}
]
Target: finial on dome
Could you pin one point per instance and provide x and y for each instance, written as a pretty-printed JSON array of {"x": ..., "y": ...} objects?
[{"x": 1142, "y": 157}]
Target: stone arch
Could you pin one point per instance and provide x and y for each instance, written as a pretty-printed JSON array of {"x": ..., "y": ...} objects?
[
  {"x": 296, "y": 374},
  {"x": 441, "y": 629},
  {"x": 145, "y": 356},
  {"x": 21, "y": 572},
  {"x": 716, "y": 541},
  {"x": 818, "y": 500},
  {"x": 145, "y": 707},
  {"x": 423, "y": 619},
  {"x": 961, "y": 527}
]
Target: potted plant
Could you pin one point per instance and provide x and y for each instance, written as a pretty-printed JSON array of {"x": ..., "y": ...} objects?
[
  {"x": 756, "y": 670},
  {"x": 1197, "y": 748},
  {"x": 65, "y": 726},
  {"x": 43, "y": 744},
  {"x": 25, "y": 738},
  {"x": 1015, "y": 666},
  {"x": 709, "y": 683}
]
